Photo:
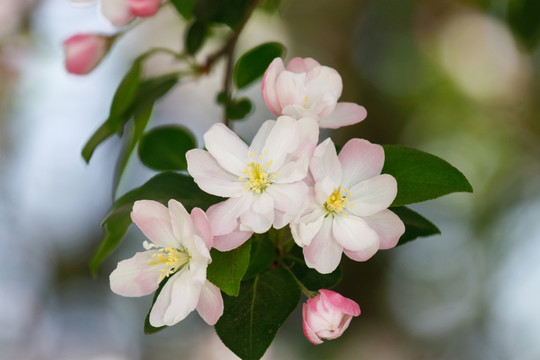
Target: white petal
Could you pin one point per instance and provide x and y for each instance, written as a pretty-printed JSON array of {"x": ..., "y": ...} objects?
[
  {"x": 290, "y": 88},
  {"x": 177, "y": 299},
  {"x": 232, "y": 240},
  {"x": 389, "y": 227},
  {"x": 282, "y": 140},
  {"x": 304, "y": 228},
  {"x": 201, "y": 227},
  {"x": 261, "y": 216},
  {"x": 360, "y": 160},
  {"x": 373, "y": 195},
  {"x": 135, "y": 276},
  {"x": 227, "y": 148},
  {"x": 224, "y": 216},
  {"x": 116, "y": 11},
  {"x": 288, "y": 197},
  {"x": 154, "y": 221},
  {"x": 325, "y": 162},
  {"x": 323, "y": 253},
  {"x": 259, "y": 140},
  {"x": 354, "y": 234},
  {"x": 362, "y": 255},
  {"x": 210, "y": 306},
  {"x": 210, "y": 176},
  {"x": 344, "y": 114},
  {"x": 181, "y": 224}
]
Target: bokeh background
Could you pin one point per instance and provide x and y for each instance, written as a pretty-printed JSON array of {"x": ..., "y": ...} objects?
[{"x": 457, "y": 78}]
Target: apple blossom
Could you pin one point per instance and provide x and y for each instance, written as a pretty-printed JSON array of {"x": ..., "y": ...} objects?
[
  {"x": 347, "y": 208},
  {"x": 263, "y": 181},
  {"x": 178, "y": 253},
  {"x": 327, "y": 316},
  {"x": 83, "y": 52},
  {"x": 144, "y": 8},
  {"x": 307, "y": 89}
]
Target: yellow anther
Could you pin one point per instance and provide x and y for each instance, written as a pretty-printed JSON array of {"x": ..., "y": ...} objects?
[
  {"x": 258, "y": 178},
  {"x": 171, "y": 258},
  {"x": 336, "y": 201}
]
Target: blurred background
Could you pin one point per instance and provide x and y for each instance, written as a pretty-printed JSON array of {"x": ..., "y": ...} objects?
[{"x": 456, "y": 78}]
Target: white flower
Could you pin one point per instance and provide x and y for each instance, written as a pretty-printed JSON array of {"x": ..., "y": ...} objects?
[
  {"x": 179, "y": 251},
  {"x": 263, "y": 181},
  {"x": 347, "y": 211}
]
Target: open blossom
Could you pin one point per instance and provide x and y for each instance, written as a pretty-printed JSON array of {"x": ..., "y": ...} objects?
[
  {"x": 307, "y": 89},
  {"x": 83, "y": 52},
  {"x": 327, "y": 316},
  {"x": 347, "y": 209},
  {"x": 263, "y": 181},
  {"x": 179, "y": 251}
]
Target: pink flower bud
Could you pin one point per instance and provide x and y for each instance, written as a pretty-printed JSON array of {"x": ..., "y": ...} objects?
[
  {"x": 327, "y": 316},
  {"x": 144, "y": 8},
  {"x": 83, "y": 52}
]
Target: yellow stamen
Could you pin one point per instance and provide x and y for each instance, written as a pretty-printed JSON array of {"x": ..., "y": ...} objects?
[
  {"x": 337, "y": 200},
  {"x": 174, "y": 259}
]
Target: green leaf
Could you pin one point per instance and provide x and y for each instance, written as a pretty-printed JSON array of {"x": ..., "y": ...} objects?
[
  {"x": 415, "y": 225},
  {"x": 238, "y": 109},
  {"x": 311, "y": 278},
  {"x": 195, "y": 36},
  {"x": 184, "y": 7},
  {"x": 161, "y": 187},
  {"x": 262, "y": 255},
  {"x": 227, "y": 268},
  {"x": 252, "y": 65},
  {"x": 421, "y": 176},
  {"x": 148, "y": 328},
  {"x": 229, "y": 12},
  {"x": 251, "y": 320},
  {"x": 165, "y": 147},
  {"x": 270, "y": 6},
  {"x": 117, "y": 115},
  {"x": 524, "y": 19}
]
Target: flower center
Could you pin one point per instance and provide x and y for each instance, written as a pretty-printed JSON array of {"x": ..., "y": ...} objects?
[
  {"x": 257, "y": 177},
  {"x": 337, "y": 200},
  {"x": 171, "y": 258}
]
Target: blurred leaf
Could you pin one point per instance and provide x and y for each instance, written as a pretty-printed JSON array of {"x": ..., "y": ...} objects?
[
  {"x": 161, "y": 187},
  {"x": 251, "y": 320},
  {"x": 311, "y": 278},
  {"x": 229, "y": 12},
  {"x": 227, "y": 268},
  {"x": 238, "y": 109},
  {"x": 117, "y": 115},
  {"x": 184, "y": 7},
  {"x": 415, "y": 225},
  {"x": 524, "y": 19},
  {"x": 421, "y": 176},
  {"x": 252, "y": 65},
  {"x": 165, "y": 147},
  {"x": 195, "y": 36},
  {"x": 148, "y": 328},
  {"x": 222, "y": 98},
  {"x": 270, "y": 6},
  {"x": 262, "y": 255}
]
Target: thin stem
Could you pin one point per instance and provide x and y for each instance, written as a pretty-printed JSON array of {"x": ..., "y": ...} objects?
[{"x": 305, "y": 290}]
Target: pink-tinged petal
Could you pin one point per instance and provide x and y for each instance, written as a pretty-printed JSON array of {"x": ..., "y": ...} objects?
[
  {"x": 232, "y": 240},
  {"x": 310, "y": 334},
  {"x": 323, "y": 89},
  {"x": 144, "y": 8},
  {"x": 323, "y": 189},
  {"x": 210, "y": 176},
  {"x": 135, "y": 276},
  {"x": 297, "y": 111},
  {"x": 325, "y": 163},
  {"x": 224, "y": 216},
  {"x": 181, "y": 224},
  {"x": 372, "y": 195},
  {"x": 282, "y": 140},
  {"x": 268, "y": 85},
  {"x": 210, "y": 306},
  {"x": 307, "y": 226},
  {"x": 302, "y": 65},
  {"x": 117, "y": 11},
  {"x": 288, "y": 197},
  {"x": 83, "y": 52},
  {"x": 362, "y": 255},
  {"x": 340, "y": 302},
  {"x": 344, "y": 114},
  {"x": 323, "y": 253},
  {"x": 354, "y": 234},
  {"x": 290, "y": 88},
  {"x": 154, "y": 221},
  {"x": 389, "y": 227},
  {"x": 291, "y": 171},
  {"x": 261, "y": 216},
  {"x": 227, "y": 148},
  {"x": 257, "y": 145},
  {"x": 201, "y": 227},
  {"x": 360, "y": 160},
  {"x": 178, "y": 297}
]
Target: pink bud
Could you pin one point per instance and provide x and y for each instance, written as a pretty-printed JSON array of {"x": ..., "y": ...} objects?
[
  {"x": 327, "y": 316},
  {"x": 83, "y": 52},
  {"x": 144, "y": 8}
]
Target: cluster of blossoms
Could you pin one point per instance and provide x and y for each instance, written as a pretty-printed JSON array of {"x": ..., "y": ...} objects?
[{"x": 333, "y": 203}]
